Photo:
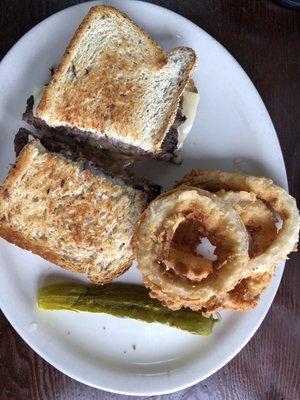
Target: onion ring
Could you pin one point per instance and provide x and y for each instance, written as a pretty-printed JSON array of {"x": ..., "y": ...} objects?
[
  {"x": 153, "y": 239},
  {"x": 243, "y": 297},
  {"x": 188, "y": 265},
  {"x": 256, "y": 216},
  {"x": 183, "y": 258},
  {"x": 261, "y": 227},
  {"x": 264, "y": 188}
]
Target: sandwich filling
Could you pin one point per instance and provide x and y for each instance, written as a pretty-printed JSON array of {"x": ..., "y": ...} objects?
[
  {"x": 171, "y": 145},
  {"x": 91, "y": 158}
]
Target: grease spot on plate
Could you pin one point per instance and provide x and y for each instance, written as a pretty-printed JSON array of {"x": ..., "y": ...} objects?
[{"x": 32, "y": 327}]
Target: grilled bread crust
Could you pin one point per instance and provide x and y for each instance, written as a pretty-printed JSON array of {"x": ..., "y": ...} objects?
[
  {"x": 72, "y": 217},
  {"x": 116, "y": 84}
]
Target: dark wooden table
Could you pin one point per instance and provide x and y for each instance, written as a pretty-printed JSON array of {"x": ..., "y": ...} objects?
[{"x": 265, "y": 39}]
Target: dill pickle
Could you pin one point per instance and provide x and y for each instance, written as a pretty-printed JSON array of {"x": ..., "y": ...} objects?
[{"x": 120, "y": 300}]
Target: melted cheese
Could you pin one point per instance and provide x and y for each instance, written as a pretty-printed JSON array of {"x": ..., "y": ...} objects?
[
  {"x": 37, "y": 95},
  {"x": 189, "y": 110}
]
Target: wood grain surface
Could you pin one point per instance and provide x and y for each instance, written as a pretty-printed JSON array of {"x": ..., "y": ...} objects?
[{"x": 265, "y": 39}]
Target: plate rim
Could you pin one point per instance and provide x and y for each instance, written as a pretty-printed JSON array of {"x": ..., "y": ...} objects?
[{"x": 247, "y": 338}]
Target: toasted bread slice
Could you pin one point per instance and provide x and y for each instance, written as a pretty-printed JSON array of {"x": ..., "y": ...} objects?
[
  {"x": 117, "y": 85},
  {"x": 78, "y": 219}
]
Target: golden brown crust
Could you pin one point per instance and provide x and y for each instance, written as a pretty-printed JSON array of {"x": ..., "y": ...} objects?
[
  {"x": 111, "y": 275},
  {"x": 105, "y": 101},
  {"x": 110, "y": 92},
  {"x": 153, "y": 241},
  {"x": 16, "y": 237},
  {"x": 264, "y": 188},
  {"x": 68, "y": 216},
  {"x": 253, "y": 199},
  {"x": 18, "y": 167}
]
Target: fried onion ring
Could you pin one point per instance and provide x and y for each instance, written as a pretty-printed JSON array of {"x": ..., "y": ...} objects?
[
  {"x": 261, "y": 227},
  {"x": 188, "y": 265},
  {"x": 243, "y": 297},
  {"x": 258, "y": 219},
  {"x": 152, "y": 245},
  {"x": 264, "y": 188}
]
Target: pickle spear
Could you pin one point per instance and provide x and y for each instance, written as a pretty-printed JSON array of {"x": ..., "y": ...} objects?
[{"x": 120, "y": 300}]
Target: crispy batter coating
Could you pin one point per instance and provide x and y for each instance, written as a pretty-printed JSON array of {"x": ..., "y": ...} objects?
[
  {"x": 255, "y": 199},
  {"x": 153, "y": 246}
]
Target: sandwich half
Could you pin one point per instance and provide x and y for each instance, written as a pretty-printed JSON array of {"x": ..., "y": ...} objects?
[
  {"x": 69, "y": 212},
  {"x": 116, "y": 86}
]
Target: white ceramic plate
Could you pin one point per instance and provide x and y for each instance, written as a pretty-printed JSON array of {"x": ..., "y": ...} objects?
[{"x": 232, "y": 122}]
